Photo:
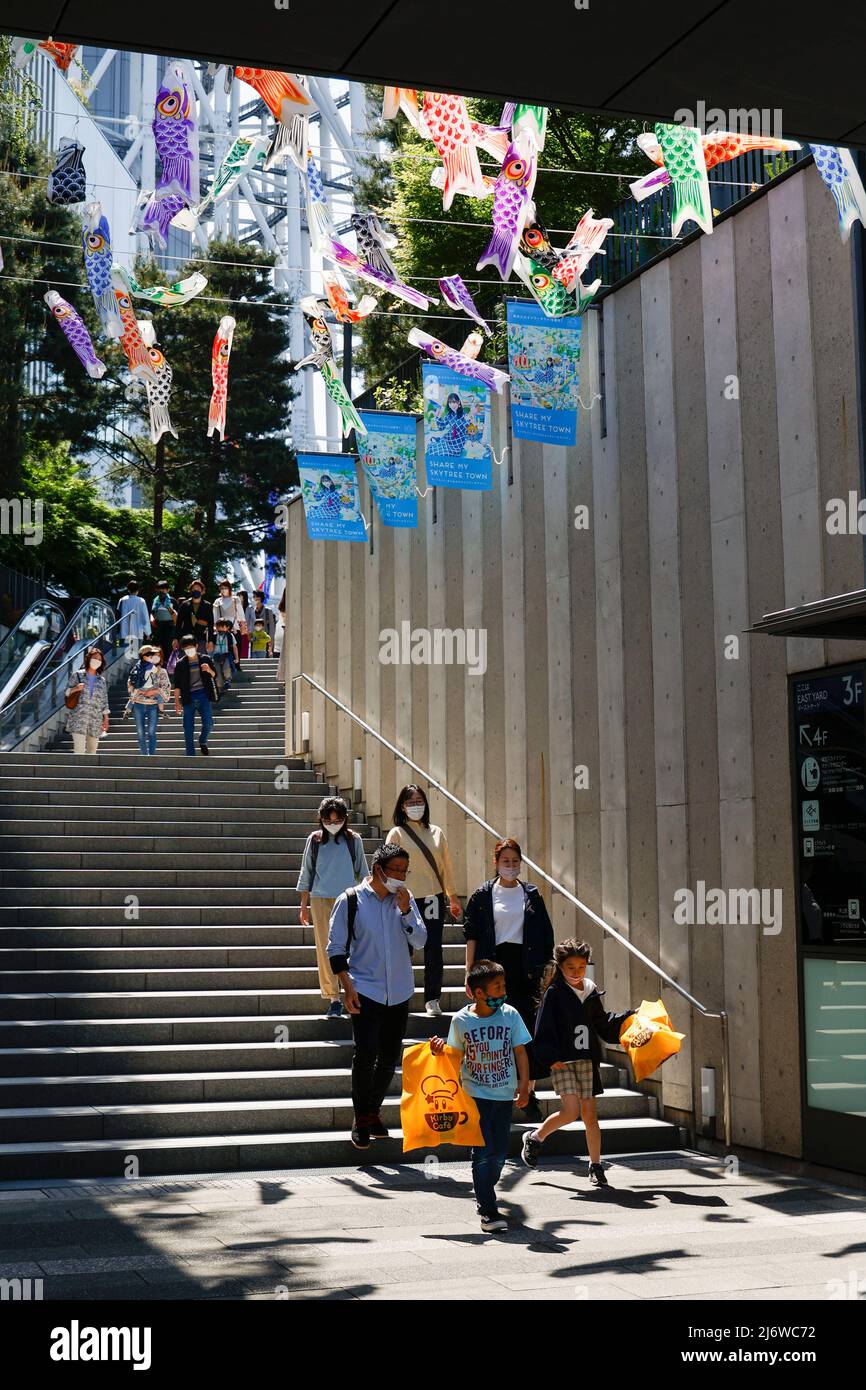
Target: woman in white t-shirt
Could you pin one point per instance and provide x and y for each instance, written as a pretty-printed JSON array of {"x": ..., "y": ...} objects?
[
  {"x": 228, "y": 608},
  {"x": 506, "y": 920}
]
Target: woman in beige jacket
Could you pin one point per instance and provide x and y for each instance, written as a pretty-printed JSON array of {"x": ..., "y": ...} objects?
[{"x": 431, "y": 880}]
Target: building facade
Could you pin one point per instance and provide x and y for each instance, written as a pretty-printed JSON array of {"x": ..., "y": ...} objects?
[{"x": 629, "y": 729}]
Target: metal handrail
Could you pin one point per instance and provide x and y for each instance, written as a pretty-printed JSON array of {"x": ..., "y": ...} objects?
[{"x": 558, "y": 887}]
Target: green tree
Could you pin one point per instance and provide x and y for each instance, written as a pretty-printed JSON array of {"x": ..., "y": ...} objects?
[
  {"x": 88, "y": 546},
  {"x": 44, "y": 391},
  {"x": 434, "y": 243},
  {"x": 226, "y": 489}
]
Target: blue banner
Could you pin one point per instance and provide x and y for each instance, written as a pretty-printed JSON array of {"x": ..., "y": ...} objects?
[
  {"x": 332, "y": 501},
  {"x": 456, "y": 430},
  {"x": 387, "y": 453},
  {"x": 544, "y": 363}
]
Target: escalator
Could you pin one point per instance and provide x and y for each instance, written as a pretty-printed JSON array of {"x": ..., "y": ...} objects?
[
  {"x": 24, "y": 650},
  {"x": 36, "y": 682}
]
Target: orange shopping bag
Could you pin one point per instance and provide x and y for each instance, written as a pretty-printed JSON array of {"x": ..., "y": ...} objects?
[
  {"x": 434, "y": 1109},
  {"x": 649, "y": 1038}
]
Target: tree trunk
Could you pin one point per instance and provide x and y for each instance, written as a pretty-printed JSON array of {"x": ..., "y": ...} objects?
[{"x": 158, "y": 511}]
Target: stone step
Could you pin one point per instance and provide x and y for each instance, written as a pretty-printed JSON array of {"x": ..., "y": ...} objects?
[
  {"x": 35, "y": 898},
  {"x": 99, "y": 816},
  {"x": 224, "y": 774},
  {"x": 272, "y": 916},
  {"x": 203, "y": 934},
  {"x": 165, "y": 1088},
  {"x": 182, "y": 977},
  {"x": 200, "y": 957},
  {"x": 306, "y": 1006},
  {"x": 211, "y": 1056},
  {"x": 142, "y": 871},
  {"x": 287, "y": 1115},
  {"x": 156, "y": 801},
  {"x": 307, "y": 1149}
]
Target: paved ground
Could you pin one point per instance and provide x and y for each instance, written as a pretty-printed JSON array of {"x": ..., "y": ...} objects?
[{"x": 671, "y": 1226}]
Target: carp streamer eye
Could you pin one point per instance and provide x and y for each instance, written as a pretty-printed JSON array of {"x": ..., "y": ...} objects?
[
  {"x": 533, "y": 237},
  {"x": 438, "y": 348},
  {"x": 170, "y": 105},
  {"x": 541, "y": 282},
  {"x": 155, "y": 356},
  {"x": 124, "y": 301},
  {"x": 515, "y": 169},
  {"x": 95, "y": 241}
]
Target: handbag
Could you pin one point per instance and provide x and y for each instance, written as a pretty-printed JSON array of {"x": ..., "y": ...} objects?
[
  {"x": 434, "y": 1108},
  {"x": 71, "y": 701},
  {"x": 427, "y": 855}
]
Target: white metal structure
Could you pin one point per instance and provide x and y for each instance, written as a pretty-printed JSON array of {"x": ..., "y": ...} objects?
[{"x": 267, "y": 207}]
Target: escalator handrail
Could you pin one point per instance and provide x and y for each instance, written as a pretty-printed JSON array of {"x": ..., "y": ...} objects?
[
  {"x": 9, "y": 713},
  {"x": 37, "y": 603}
]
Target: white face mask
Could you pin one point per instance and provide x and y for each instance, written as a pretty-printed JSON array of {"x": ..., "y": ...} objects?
[
  {"x": 190, "y": 651},
  {"x": 94, "y": 665},
  {"x": 394, "y": 884},
  {"x": 509, "y": 873},
  {"x": 414, "y": 812},
  {"x": 334, "y": 829}
]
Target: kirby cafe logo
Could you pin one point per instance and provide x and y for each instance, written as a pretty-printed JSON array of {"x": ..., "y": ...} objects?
[
  {"x": 442, "y": 1113},
  {"x": 77, "y": 1343}
]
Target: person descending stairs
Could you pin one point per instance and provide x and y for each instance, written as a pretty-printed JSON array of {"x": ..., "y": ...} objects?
[{"x": 159, "y": 1003}]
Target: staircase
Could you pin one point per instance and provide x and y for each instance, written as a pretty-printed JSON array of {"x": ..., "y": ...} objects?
[{"x": 159, "y": 1002}]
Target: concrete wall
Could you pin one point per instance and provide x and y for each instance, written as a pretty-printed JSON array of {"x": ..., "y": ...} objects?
[{"x": 730, "y": 416}]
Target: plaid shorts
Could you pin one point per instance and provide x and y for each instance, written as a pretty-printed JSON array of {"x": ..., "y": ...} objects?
[{"x": 573, "y": 1079}]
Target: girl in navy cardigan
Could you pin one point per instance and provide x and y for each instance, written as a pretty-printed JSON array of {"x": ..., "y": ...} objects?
[{"x": 570, "y": 1022}]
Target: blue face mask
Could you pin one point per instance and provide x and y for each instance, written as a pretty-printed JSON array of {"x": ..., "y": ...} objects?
[{"x": 495, "y": 1004}]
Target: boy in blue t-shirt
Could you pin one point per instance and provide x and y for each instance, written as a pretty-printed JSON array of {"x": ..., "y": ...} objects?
[{"x": 492, "y": 1038}]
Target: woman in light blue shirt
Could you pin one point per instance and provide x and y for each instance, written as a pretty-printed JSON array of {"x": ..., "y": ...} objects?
[{"x": 333, "y": 861}]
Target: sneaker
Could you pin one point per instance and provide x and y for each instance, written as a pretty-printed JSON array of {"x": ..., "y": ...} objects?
[
  {"x": 490, "y": 1224},
  {"x": 361, "y": 1132},
  {"x": 205, "y": 750},
  {"x": 433, "y": 1008},
  {"x": 377, "y": 1129},
  {"x": 335, "y": 1009},
  {"x": 597, "y": 1176},
  {"x": 532, "y": 1110},
  {"x": 530, "y": 1149}
]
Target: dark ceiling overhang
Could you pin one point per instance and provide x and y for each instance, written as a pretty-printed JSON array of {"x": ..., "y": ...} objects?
[
  {"x": 618, "y": 57},
  {"x": 843, "y": 616}
]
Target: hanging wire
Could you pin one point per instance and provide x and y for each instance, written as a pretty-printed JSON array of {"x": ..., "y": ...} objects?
[{"x": 260, "y": 304}]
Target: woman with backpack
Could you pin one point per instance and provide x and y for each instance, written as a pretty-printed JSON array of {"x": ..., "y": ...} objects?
[
  {"x": 333, "y": 861},
  {"x": 432, "y": 881},
  {"x": 149, "y": 690}
]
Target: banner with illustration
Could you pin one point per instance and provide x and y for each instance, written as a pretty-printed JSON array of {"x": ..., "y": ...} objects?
[
  {"x": 456, "y": 430},
  {"x": 332, "y": 501},
  {"x": 387, "y": 453},
  {"x": 544, "y": 363}
]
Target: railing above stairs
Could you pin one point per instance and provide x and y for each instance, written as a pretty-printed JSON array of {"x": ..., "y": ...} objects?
[{"x": 721, "y": 1014}]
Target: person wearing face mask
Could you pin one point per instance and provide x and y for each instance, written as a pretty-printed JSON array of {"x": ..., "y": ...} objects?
[
  {"x": 194, "y": 689},
  {"x": 228, "y": 607},
  {"x": 570, "y": 1023},
  {"x": 195, "y": 615},
  {"x": 149, "y": 691},
  {"x": 333, "y": 861},
  {"x": 492, "y": 1038},
  {"x": 163, "y": 616},
  {"x": 432, "y": 881},
  {"x": 265, "y": 615},
  {"x": 89, "y": 718},
  {"x": 374, "y": 929},
  {"x": 507, "y": 921}
]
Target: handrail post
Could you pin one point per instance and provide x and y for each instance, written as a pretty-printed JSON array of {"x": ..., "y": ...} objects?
[{"x": 726, "y": 1080}]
